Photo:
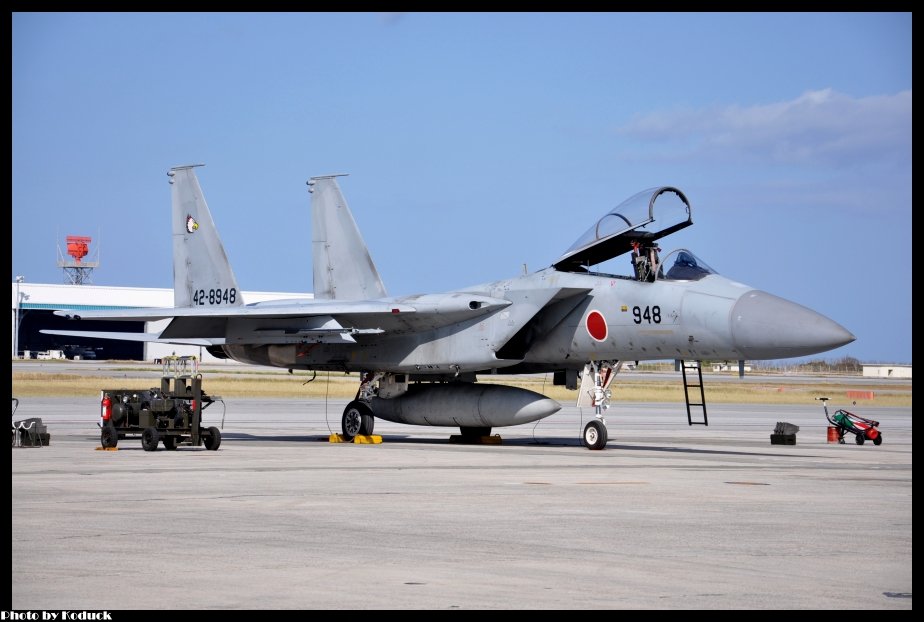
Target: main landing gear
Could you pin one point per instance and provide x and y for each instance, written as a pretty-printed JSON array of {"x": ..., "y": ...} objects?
[{"x": 358, "y": 419}]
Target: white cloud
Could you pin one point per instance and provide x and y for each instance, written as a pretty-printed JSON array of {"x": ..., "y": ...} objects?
[{"x": 818, "y": 127}]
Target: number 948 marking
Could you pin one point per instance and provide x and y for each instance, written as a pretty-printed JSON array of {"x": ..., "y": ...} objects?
[
  {"x": 651, "y": 315},
  {"x": 215, "y": 296}
]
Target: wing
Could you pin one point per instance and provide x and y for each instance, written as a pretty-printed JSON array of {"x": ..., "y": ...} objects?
[{"x": 277, "y": 322}]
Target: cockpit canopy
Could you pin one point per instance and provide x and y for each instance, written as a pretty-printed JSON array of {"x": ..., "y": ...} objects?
[
  {"x": 683, "y": 265},
  {"x": 641, "y": 219}
]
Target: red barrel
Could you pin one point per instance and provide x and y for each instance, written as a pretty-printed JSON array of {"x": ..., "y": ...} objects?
[{"x": 833, "y": 436}]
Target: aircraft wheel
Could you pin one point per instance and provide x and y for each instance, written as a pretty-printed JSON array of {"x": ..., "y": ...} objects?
[
  {"x": 368, "y": 424},
  {"x": 357, "y": 419},
  {"x": 149, "y": 439},
  {"x": 595, "y": 434},
  {"x": 878, "y": 440},
  {"x": 108, "y": 437},
  {"x": 170, "y": 442},
  {"x": 861, "y": 438},
  {"x": 212, "y": 439}
]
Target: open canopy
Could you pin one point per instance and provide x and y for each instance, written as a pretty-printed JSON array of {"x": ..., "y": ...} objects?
[{"x": 643, "y": 218}]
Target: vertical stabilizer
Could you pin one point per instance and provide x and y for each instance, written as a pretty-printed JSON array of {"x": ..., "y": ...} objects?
[
  {"x": 202, "y": 275},
  {"x": 343, "y": 269}
]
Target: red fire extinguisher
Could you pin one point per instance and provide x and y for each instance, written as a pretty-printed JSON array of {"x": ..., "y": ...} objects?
[{"x": 106, "y": 409}]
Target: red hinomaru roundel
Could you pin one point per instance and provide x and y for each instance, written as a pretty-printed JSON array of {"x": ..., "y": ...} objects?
[{"x": 596, "y": 325}]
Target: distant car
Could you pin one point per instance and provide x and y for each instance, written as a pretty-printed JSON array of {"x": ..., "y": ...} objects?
[{"x": 79, "y": 353}]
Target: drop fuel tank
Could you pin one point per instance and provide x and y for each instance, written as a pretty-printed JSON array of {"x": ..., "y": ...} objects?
[{"x": 465, "y": 404}]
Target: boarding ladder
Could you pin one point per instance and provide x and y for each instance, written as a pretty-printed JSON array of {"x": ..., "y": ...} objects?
[{"x": 692, "y": 382}]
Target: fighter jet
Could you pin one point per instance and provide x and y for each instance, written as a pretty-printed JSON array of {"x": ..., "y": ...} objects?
[{"x": 419, "y": 357}]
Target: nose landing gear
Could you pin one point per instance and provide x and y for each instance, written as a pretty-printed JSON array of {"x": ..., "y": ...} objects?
[{"x": 595, "y": 391}]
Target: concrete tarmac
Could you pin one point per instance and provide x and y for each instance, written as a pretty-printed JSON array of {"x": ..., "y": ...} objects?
[{"x": 667, "y": 516}]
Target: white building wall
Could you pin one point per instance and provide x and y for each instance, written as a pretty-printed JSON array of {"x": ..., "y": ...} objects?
[
  {"x": 887, "y": 371},
  {"x": 93, "y": 295}
]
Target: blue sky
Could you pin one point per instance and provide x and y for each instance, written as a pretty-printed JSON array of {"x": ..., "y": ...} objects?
[{"x": 476, "y": 143}]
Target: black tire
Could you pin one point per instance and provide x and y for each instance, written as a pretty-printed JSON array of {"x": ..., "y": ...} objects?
[
  {"x": 170, "y": 442},
  {"x": 108, "y": 437},
  {"x": 474, "y": 433},
  {"x": 878, "y": 440},
  {"x": 149, "y": 439},
  {"x": 212, "y": 439},
  {"x": 357, "y": 420},
  {"x": 861, "y": 438},
  {"x": 368, "y": 425},
  {"x": 595, "y": 434}
]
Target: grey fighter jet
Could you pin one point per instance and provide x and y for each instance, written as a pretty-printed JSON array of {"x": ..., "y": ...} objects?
[{"x": 419, "y": 356}]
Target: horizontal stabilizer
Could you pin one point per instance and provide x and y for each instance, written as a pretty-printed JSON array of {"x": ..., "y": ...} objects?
[
  {"x": 145, "y": 337},
  {"x": 304, "y": 309}
]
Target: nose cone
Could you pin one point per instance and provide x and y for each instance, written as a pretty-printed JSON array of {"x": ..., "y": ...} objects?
[{"x": 765, "y": 326}]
